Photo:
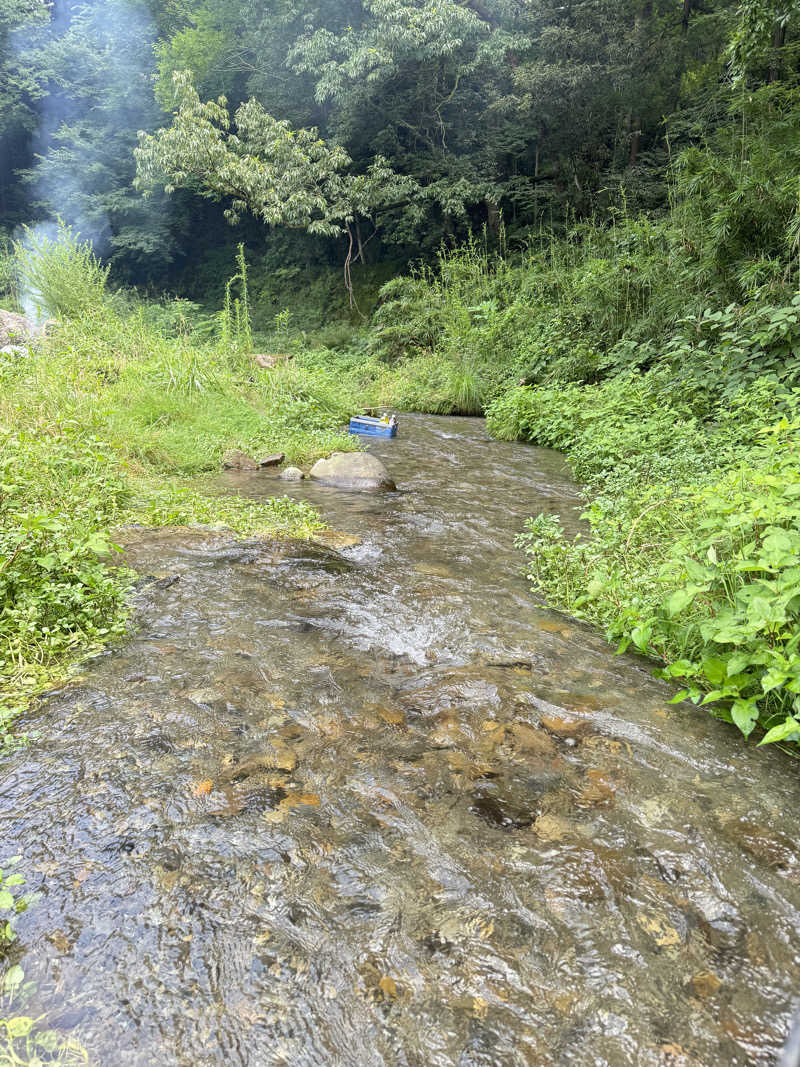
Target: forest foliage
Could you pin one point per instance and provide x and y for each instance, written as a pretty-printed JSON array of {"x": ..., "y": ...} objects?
[{"x": 536, "y": 111}]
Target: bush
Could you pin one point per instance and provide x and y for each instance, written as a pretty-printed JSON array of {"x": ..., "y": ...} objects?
[
  {"x": 58, "y": 274},
  {"x": 59, "y": 495},
  {"x": 693, "y": 545}
]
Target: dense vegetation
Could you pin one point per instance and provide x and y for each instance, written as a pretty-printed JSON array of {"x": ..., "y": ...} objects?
[
  {"x": 138, "y": 410},
  {"x": 433, "y": 118},
  {"x": 582, "y": 218}
]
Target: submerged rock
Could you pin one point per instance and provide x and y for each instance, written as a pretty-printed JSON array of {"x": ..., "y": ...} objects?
[
  {"x": 292, "y": 474},
  {"x": 565, "y": 727},
  {"x": 235, "y": 460},
  {"x": 353, "y": 470},
  {"x": 335, "y": 539},
  {"x": 500, "y": 811}
]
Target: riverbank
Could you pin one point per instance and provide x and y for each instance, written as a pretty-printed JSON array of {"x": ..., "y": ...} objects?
[
  {"x": 680, "y": 417},
  {"x": 114, "y": 419},
  {"x": 682, "y": 427}
]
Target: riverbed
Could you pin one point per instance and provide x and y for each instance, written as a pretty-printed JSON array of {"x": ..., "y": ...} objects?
[{"x": 375, "y": 804}]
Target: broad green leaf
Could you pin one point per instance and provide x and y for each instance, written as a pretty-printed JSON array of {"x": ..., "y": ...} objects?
[
  {"x": 680, "y": 599},
  {"x": 681, "y": 668},
  {"x": 773, "y": 679},
  {"x": 744, "y": 713},
  {"x": 680, "y": 696},
  {"x": 19, "y": 1026},
  {"x": 14, "y": 977},
  {"x": 640, "y": 636},
  {"x": 785, "y": 731},
  {"x": 715, "y": 669},
  {"x": 737, "y": 662}
]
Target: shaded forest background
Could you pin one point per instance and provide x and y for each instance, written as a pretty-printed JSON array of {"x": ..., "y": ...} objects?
[{"x": 538, "y": 112}]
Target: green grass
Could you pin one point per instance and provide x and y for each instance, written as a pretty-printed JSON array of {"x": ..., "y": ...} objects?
[
  {"x": 693, "y": 544},
  {"x": 113, "y": 421}
]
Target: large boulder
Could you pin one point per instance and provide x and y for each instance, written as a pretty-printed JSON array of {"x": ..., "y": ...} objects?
[
  {"x": 15, "y": 329},
  {"x": 353, "y": 470}
]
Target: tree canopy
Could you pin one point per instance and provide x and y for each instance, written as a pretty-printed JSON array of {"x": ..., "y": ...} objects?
[{"x": 395, "y": 122}]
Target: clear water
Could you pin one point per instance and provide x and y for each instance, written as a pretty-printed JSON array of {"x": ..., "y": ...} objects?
[{"x": 378, "y": 806}]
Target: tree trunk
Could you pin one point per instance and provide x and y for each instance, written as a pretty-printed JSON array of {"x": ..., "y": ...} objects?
[
  {"x": 359, "y": 243},
  {"x": 492, "y": 217},
  {"x": 636, "y": 134},
  {"x": 687, "y": 10},
  {"x": 778, "y": 41}
]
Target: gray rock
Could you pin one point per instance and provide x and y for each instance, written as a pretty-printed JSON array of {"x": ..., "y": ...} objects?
[
  {"x": 353, "y": 470},
  {"x": 292, "y": 474},
  {"x": 272, "y": 460},
  {"x": 239, "y": 461},
  {"x": 14, "y": 350},
  {"x": 15, "y": 329}
]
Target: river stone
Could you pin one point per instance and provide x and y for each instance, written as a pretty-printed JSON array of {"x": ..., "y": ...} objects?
[
  {"x": 239, "y": 461},
  {"x": 273, "y": 460},
  {"x": 353, "y": 470},
  {"x": 292, "y": 474},
  {"x": 15, "y": 329}
]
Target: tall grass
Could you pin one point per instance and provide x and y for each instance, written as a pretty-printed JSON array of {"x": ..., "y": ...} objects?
[{"x": 57, "y": 273}]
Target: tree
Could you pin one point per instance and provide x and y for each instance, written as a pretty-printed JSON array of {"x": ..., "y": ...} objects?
[
  {"x": 760, "y": 35},
  {"x": 18, "y": 94},
  {"x": 92, "y": 69},
  {"x": 284, "y": 176}
]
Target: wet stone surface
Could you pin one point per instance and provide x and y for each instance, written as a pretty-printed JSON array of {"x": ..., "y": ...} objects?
[{"x": 371, "y": 804}]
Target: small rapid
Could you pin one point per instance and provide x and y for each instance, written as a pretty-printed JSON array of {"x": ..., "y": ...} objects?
[{"x": 371, "y": 803}]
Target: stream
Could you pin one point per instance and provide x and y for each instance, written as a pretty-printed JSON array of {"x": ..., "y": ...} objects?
[{"x": 377, "y": 805}]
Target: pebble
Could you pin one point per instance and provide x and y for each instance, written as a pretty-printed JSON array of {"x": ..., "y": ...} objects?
[
  {"x": 564, "y": 727},
  {"x": 529, "y": 739},
  {"x": 705, "y": 984}
]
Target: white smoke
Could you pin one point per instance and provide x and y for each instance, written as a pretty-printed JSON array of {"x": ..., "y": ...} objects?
[
  {"x": 101, "y": 93},
  {"x": 28, "y": 239}
]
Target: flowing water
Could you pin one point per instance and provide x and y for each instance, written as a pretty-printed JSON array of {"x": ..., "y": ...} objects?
[{"x": 377, "y": 806}]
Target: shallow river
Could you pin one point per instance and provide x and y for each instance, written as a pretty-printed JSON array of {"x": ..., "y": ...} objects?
[{"x": 378, "y": 806}]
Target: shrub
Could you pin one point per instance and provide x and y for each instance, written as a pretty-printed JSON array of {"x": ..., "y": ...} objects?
[
  {"x": 693, "y": 546},
  {"x": 58, "y": 274}
]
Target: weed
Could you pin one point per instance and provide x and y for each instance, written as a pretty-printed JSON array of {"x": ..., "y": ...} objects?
[{"x": 58, "y": 274}]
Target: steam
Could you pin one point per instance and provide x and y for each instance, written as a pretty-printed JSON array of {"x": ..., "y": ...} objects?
[{"x": 101, "y": 55}]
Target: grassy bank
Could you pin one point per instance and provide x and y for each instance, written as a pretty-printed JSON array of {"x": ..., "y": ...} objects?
[
  {"x": 693, "y": 546},
  {"x": 117, "y": 417}
]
